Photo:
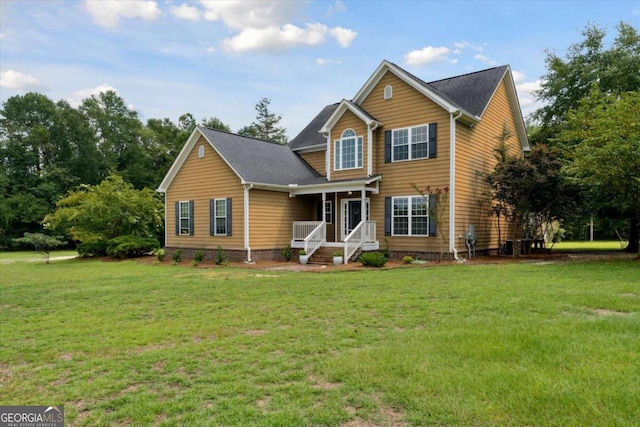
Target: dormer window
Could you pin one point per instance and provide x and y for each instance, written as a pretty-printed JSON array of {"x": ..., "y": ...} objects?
[
  {"x": 348, "y": 151},
  {"x": 388, "y": 92}
]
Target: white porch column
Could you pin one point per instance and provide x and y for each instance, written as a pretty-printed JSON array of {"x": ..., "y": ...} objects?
[{"x": 363, "y": 204}]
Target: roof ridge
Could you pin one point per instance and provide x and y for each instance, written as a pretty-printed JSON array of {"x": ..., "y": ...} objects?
[
  {"x": 241, "y": 136},
  {"x": 467, "y": 74}
]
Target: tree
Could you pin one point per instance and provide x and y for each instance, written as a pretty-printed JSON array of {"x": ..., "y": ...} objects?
[
  {"x": 215, "y": 123},
  {"x": 568, "y": 80},
  {"x": 603, "y": 134},
  {"x": 528, "y": 193},
  {"x": 105, "y": 211},
  {"x": 266, "y": 126},
  {"x": 41, "y": 242}
]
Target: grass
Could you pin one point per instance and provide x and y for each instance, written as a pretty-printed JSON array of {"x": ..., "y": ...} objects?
[
  {"x": 514, "y": 344},
  {"x": 597, "y": 245}
]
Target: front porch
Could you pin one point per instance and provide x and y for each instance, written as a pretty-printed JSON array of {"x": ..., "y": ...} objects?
[{"x": 312, "y": 235}]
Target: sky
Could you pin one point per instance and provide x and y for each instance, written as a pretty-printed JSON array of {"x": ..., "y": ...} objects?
[{"x": 219, "y": 58}]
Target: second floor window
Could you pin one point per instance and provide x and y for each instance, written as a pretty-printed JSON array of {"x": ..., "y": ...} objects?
[
  {"x": 348, "y": 151},
  {"x": 410, "y": 143}
]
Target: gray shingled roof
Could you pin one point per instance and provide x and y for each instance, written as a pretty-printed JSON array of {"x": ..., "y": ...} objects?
[
  {"x": 471, "y": 92},
  {"x": 259, "y": 161},
  {"x": 309, "y": 136}
]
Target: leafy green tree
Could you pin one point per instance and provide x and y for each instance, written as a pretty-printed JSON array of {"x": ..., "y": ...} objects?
[
  {"x": 614, "y": 69},
  {"x": 215, "y": 123},
  {"x": 266, "y": 126},
  {"x": 105, "y": 211},
  {"x": 602, "y": 136},
  {"x": 41, "y": 242}
]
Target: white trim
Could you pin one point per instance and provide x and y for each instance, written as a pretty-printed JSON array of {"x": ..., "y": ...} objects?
[
  {"x": 189, "y": 219},
  {"x": 327, "y": 156},
  {"x": 358, "y": 141},
  {"x": 409, "y": 143},
  {"x": 388, "y": 94},
  {"x": 201, "y": 152},
  {"x": 452, "y": 181},
  {"x": 409, "y": 216},
  {"x": 247, "y": 235},
  {"x": 216, "y": 217},
  {"x": 339, "y": 111},
  {"x": 344, "y": 214}
]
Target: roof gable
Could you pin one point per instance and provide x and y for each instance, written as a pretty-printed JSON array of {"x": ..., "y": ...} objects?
[
  {"x": 343, "y": 106},
  {"x": 252, "y": 160}
]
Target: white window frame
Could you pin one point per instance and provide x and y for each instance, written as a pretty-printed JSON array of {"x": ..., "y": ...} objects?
[
  {"x": 388, "y": 92},
  {"x": 412, "y": 133},
  {"x": 328, "y": 212},
  {"x": 184, "y": 209},
  {"x": 410, "y": 215},
  {"x": 218, "y": 216},
  {"x": 201, "y": 151},
  {"x": 348, "y": 136}
]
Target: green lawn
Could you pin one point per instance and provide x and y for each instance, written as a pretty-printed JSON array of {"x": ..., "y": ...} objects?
[
  {"x": 11, "y": 257},
  {"x": 598, "y": 245},
  {"x": 124, "y": 343}
]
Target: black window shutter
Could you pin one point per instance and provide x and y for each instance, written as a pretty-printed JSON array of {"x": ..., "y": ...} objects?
[
  {"x": 229, "y": 216},
  {"x": 191, "y": 217},
  {"x": 387, "y": 146},
  {"x": 212, "y": 217},
  {"x": 433, "y": 207},
  {"x": 387, "y": 216},
  {"x": 433, "y": 140},
  {"x": 177, "y": 218}
]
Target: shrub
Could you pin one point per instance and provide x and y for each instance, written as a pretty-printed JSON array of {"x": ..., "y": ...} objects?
[
  {"x": 372, "y": 259},
  {"x": 130, "y": 246},
  {"x": 221, "y": 257},
  {"x": 337, "y": 253},
  {"x": 177, "y": 255},
  {"x": 302, "y": 252},
  {"x": 386, "y": 252},
  {"x": 407, "y": 260},
  {"x": 198, "y": 256},
  {"x": 92, "y": 249},
  {"x": 286, "y": 253},
  {"x": 159, "y": 253}
]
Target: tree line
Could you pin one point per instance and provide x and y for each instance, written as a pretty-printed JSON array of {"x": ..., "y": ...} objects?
[
  {"x": 48, "y": 149},
  {"x": 585, "y": 161}
]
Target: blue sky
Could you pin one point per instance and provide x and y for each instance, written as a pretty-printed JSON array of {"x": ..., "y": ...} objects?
[{"x": 218, "y": 58}]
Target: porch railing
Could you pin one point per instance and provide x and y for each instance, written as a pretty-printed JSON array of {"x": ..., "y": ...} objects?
[
  {"x": 302, "y": 229},
  {"x": 364, "y": 232},
  {"x": 316, "y": 238}
]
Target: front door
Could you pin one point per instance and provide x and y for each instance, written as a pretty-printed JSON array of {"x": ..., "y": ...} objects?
[{"x": 351, "y": 215}]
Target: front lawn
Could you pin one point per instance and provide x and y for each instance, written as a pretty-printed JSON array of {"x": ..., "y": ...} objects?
[{"x": 124, "y": 343}]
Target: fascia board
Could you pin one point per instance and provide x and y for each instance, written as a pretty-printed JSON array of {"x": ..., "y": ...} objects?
[
  {"x": 335, "y": 116},
  {"x": 516, "y": 110},
  {"x": 310, "y": 148}
]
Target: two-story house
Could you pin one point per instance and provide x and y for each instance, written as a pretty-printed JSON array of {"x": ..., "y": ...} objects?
[{"x": 354, "y": 177}]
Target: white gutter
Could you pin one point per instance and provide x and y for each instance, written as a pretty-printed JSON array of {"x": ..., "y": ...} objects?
[
  {"x": 452, "y": 183},
  {"x": 246, "y": 189}
]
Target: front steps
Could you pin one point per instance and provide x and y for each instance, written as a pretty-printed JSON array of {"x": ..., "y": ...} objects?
[{"x": 323, "y": 256}]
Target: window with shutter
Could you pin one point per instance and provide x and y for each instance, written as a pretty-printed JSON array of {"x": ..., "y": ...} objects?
[{"x": 418, "y": 142}]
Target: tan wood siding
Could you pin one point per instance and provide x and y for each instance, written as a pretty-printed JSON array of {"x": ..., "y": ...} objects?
[
  {"x": 475, "y": 157},
  {"x": 406, "y": 108},
  {"x": 202, "y": 179},
  {"x": 271, "y": 217},
  {"x": 316, "y": 160},
  {"x": 349, "y": 121}
]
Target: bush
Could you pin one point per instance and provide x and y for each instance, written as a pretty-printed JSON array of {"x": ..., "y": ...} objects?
[
  {"x": 159, "y": 253},
  {"x": 286, "y": 253},
  {"x": 177, "y": 255},
  {"x": 131, "y": 246},
  {"x": 221, "y": 257},
  {"x": 407, "y": 260},
  {"x": 92, "y": 249},
  {"x": 373, "y": 259},
  {"x": 198, "y": 256}
]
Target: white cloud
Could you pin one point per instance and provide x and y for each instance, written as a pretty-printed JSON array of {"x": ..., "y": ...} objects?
[
  {"x": 184, "y": 11},
  {"x": 463, "y": 44},
  {"x": 77, "y": 97},
  {"x": 274, "y": 38},
  {"x": 266, "y": 25},
  {"x": 344, "y": 36},
  {"x": 17, "y": 80},
  {"x": 485, "y": 59},
  {"x": 242, "y": 14},
  {"x": 337, "y": 7},
  {"x": 427, "y": 55},
  {"x": 107, "y": 13}
]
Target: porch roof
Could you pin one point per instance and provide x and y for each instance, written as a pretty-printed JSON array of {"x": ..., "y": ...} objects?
[{"x": 369, "y": 184}]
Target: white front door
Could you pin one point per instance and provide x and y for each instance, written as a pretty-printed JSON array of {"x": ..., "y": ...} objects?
[{"x": 352, "y": 215}]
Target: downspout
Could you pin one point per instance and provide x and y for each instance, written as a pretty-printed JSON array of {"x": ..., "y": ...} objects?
[
  {"x": 327, "y": 156},
  {"x": 452, "y": 183},
  {"x": 370, "y": 146},
  {"x": 246, "y": 188}
]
